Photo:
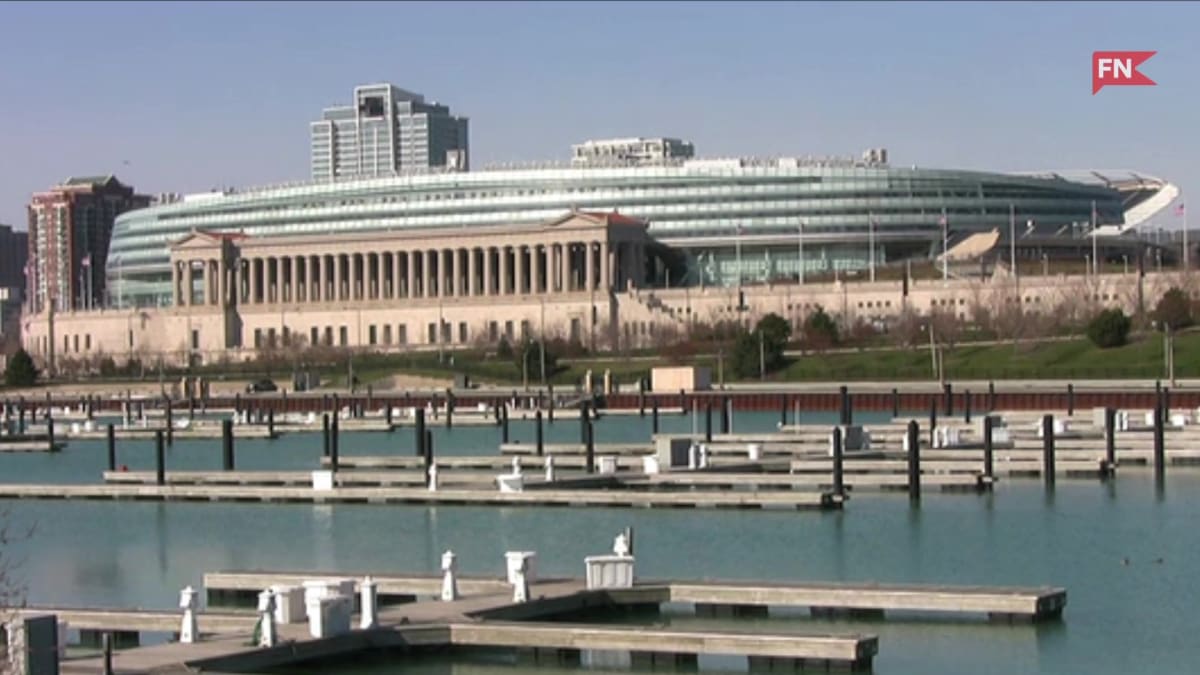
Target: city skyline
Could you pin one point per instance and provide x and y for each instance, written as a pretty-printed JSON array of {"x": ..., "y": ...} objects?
[{"x": 185, "y": 98}]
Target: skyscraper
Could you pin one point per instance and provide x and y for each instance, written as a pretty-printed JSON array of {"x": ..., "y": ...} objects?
[
  {"x": 69, "y": 229},
  {"x": 387, "y": 131}
]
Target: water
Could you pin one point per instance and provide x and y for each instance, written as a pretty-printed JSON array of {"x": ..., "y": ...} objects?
[{"x": 1120, "y": 618}]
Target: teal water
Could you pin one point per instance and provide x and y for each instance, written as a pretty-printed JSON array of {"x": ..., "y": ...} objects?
[{"x": 1133, "y": 618}]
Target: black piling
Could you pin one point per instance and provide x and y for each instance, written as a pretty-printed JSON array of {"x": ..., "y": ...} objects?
[
  {"x": 537, "y": 431},
  {"x": 549, "y": 404},
  {"x": 227, "y": 445},
  {"x": 932, "y": 420},
  {"x": 503, "y": 422},
  {"x": 1070, "y": 399},
  {"x": 191, "y": 407},
  {"x": 895, "y": 403},
  {"x": 428, "y": 454},
  {"x": 654, "y": 416},
  {"x": 844, "y": 413},
  {"x": 1160, "y": 464},
  {"x": 50, "y": 431},
  {"x": 1048, "y": 449},
  {"x": 387, "y": 413},
  {"x": 783, "y": 409},
  {"x": 333, "y": 443},
  {"x": 590, "y": 444},
  {"x": 160, "y": 469},
  {"x": 325, "y": 434},
  {"x": 708, "y": 422},
  {"x": 169, "y": 424},
  {"x": 583, "y": 422},
  {"x": 991, "y": 396},
  {"x": 967, "y": 406},
  {"x": 988, "y": 469},
  {"x": 839, "y": 487},
  {"x": 682, "y": 403},
  {"x": 1110, "y": 439},
  {"x": 111, "y": 437},
  {"x": 271, "y": 423},
  {"x": 725, "y": 415},
  {"x": 914, "y": 460},
  {"x": 370, "y": 396},
  {"x": 419, "y": 432},
  {"x": 948, "y": 399},
  {"x": 237, "y": 403},
  {"x": 1166, "y": 403},
  {"x": 449, "y": 409}
]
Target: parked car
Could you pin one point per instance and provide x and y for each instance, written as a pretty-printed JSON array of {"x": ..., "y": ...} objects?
[{"x": 262, "y": 385}]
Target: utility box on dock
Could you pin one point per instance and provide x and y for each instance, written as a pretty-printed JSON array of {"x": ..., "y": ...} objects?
[
  {"x": 289, "y": 604},
  {"x": 672, "y": 451},
  {"x": 680, "y": 378},
  {"x": 609, "y": 571}
]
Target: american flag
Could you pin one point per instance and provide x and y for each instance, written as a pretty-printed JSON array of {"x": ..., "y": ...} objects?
[
  {"x": 87, "y": 261},
  {"x": 1179, "y": 210}
]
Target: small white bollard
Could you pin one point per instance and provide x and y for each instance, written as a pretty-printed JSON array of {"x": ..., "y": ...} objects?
[
  {"x": 754, "y": 452},
  {"x": 608, "y": 464},
  {"x": 1178, "y": 420},
  {"x": 74, "y": 428},
  {"x": 650, "y": 465},
  {"x": 519, "y": 581},
  {"x": 322, "y": 480},
  {"x": 549, "y": 463},
  {"x": 509, "y": 483},
  {"x": 449, "y": 577},
  {"x": 621, "y": 545},
  {"x": 703, "y": 459},
  {"x": 89, "y": 425},
  {"x": 433, "y": 477},
  {"x": 289, "y": 603},
  {"x": 513, "y": 560},
  {"x": 516, "y": 466},
  {"x": 693, "y": 456},
  {"x": 266, "y": 619},
  {"x": 1150, "y": 418},
  {"x": 187, "y": 602},
  {"x": 369, "y": 608}
]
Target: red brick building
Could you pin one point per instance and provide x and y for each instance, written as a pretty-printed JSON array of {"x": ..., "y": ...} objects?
[{"x": 70, "y": 226}]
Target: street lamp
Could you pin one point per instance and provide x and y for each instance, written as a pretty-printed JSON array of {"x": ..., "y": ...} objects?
[
  {"x": 1125, "y": 259},
  {"x": 1045, "y": 265}
]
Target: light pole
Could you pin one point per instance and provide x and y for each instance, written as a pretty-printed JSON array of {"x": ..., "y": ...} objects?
[
  {"x": 1045, "y": 265},
  {"x": 871, "y": 242},
  {"x": 762, "y": 357},
  {"x": 800, "y": 251},
  {"x": 1087, "y": 267},
  {"x": 1125, "y": 259}
]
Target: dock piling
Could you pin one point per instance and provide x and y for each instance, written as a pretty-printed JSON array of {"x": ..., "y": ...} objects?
[
  {"x": 325, "y": 434},
  {"x": 844, "y": 413},
  {"x": 988, "y": 469},
  {"x": 895, "y": 403},
  {"x": 1166, "y": 403},
  {"x": 708, "y": 422},
  {"x": 783, "y": 408},
  {"x": 1070, "y": 399},
  {"x": 227, "y": 445},
  {"x": 549, "y": 404},
  {"x": 111, "y": 437},
  {"x": 449, "y": 409},
  {"x": 169, "y": 424},
  {"x": 428, "y": 450},
  {"x": 932, "y": 420},
  {"x": 839, "y": 487},
  {"x": 160, "y": 470},
  {"x": 725, "y": 415},
  {"x": 589, "y": 442},
  {"x": 914, "y": 460},
  {"x": 967, "y": 406},
  {"x": 537, "y": 433},
  {"x": 419, "y": 431},
  {"x": 948, "y": 399},
  {"x": 387, "y": 413},
  {"x": 108, "y": 648},
  {"x": 271, "y": 423},
  {"x": 1048, "y": 449},
  {"x": 1159, "y": 446},
  {"x": 333, "y": 443},
  {"x": 654, "y": 415},
  {"x": 1110, "y": 439},
  {"x": 503, "y": 422},
  {"x": 991, "y": 396}
]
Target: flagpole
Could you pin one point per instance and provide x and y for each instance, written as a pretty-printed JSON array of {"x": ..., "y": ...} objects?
[
  {"x": 738, "y": 248},
  {"x": 1095, "y": 246},
  {"x": 1183, "y": 207},
  {"x": 871, "y": 241},
  {"x": 1012, "y": 237},
  {"x": 945, "y": 258}
]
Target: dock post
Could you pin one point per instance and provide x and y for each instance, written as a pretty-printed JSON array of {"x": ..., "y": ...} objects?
[
  {"x": 683, "y": 403},
  {"x": 967, "y": 406},
  {"x": 1070, "y": 399},
  {"x": 428, "y": 450},
  {"x": 419, "y": 432},
  {"x": 932, "y": 420},
  {"x": 991, "y": 396},
  {"x": 583, "y": 420},
  {"x": 988, "y": 469},
  {"x": 895, "y": 403},
  {"x": 237, "y": 403},
  {"x": 112, "y": 448},
  {"x": 333, "y": 443},
  {"x": 107, "y": 640},
  {"x": 948, "y": 402},
  {"x": 227, "y": 445},
  {"x": 641, "y": 397},
  {"x": 590, "y": 444},
  {"x": 783, "y": 407},
  {"x": 49, "y": 430},
  {"x": 1048, "y": 449},
  {"x": 914, "y": 460},
  {"x": 725, "y": 415},
  {"x": 1110, "y": 440},
  {"x": 843, "y": 405},
  {"x": 370, "y": 395},
  {"x": 170, "y": 424},
  {"x": 503, "y": 422},
  {"x": 537, "y": 433},
  {"x": 449, "y": 409},
  {"x": 325, "y": 434},
  {"x": 839, "y": 487},
  {"x": 191, "y": 408},
  {"x": 387, "y": 415},
  {"x": 549, "y": 404},
  {"x": 708, "y": 422},
  {"x": 160, "y": 471},
  {"x": 654, "y": 416},
  {"x": 21, "y": 418},
  {"x": 91, "y": 408},
  {"x": 1159, "y": 450},
  {"x": 1166, "y": 404}
]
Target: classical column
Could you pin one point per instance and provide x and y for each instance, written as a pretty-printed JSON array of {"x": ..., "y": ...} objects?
[
  {"x": 502, "y": 287},
  {"x": 566, "y": 268},
  {"x": 487, "y": 272},
  {"x": 395, "y": 290},
  {"x": 454, "y": 271},
  {"x": 522, "y": 269},
  {"x": 589, "y": 265},
  {"x": 410, "y": 273},
  {"x": 252, "y": 286},
  {"x": 546, "y": 262},
  {"x": 605, "y": 267},
  {"x": 427, "y": 274},
  {"x": 472, "y": 273}
]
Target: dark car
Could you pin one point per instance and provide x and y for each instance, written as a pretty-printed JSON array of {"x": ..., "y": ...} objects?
[{"x": 261, "y": 386}]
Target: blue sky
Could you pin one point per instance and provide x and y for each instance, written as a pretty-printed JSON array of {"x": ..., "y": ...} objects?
[{"x": 185, "y": 97}]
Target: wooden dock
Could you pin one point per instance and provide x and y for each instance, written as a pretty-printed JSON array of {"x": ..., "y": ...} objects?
[{"x": 397, "y": 495}]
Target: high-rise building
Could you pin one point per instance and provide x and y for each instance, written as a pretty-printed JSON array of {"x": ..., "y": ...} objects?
[
  {"x": 14, "y": 249},
  {"x": 70, "y": 226},
  {"x": 387, "y": 131}
]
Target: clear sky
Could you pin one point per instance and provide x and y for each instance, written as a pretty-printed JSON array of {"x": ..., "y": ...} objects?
[{"x": 186, "y": 97}]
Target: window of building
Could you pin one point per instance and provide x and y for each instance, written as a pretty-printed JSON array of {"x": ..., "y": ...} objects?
[
  {"x": 343, "y": 336},
  {"x": 258, "y": 338},
  {"x": 371, "y": 334},
  {"x": 271, "y": 337},
  {"x": 87, "y": 342},
  {"x": 462, "y": 332},
  {"x": 433, "y": 333},
  {"x": 526, "y": 330},
  {"x": 329, "y": 335},
  {"x": 314, "y": 335},
  {"x": 493, "y": 331},
  {"x": 195, "y": 338},
  {"x": 402, "y": 334},
  {"x": 387, "y": 334},
  {"x": 508, "y": 330},
  {"x": 447, "y": 338}
]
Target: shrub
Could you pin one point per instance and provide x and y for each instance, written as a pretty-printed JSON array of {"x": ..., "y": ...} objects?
[
  {"x": 1174, "y": 310},
  {"x": 21, "y": 371},
  {"x": 1109, "y": 328},
  {"x": 820, "y": 330}
]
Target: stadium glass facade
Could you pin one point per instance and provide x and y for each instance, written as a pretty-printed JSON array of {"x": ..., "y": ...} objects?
[{"x": 734, "y": 220}]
